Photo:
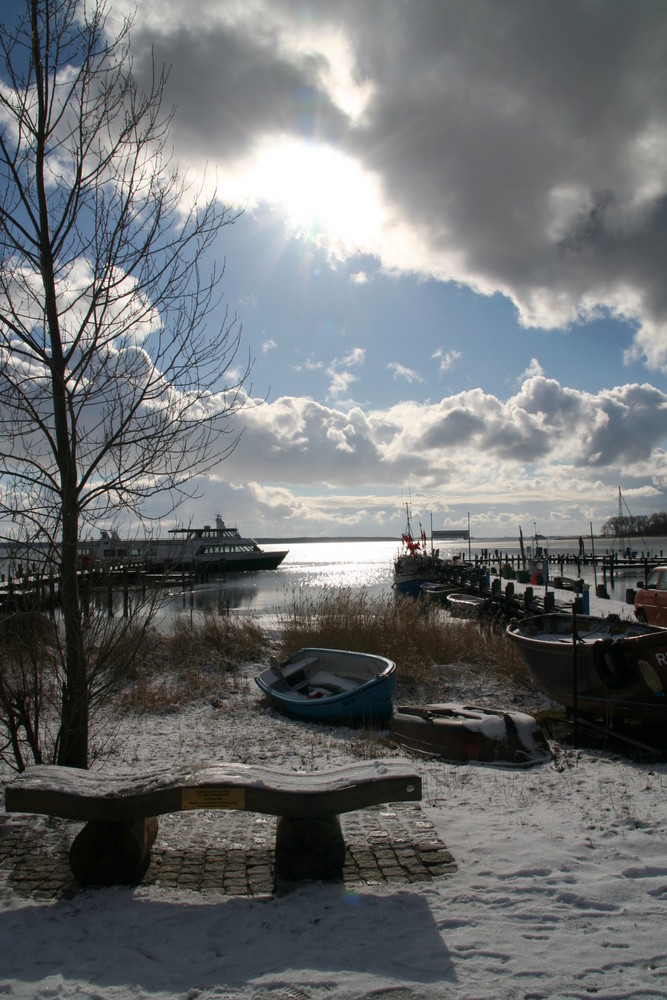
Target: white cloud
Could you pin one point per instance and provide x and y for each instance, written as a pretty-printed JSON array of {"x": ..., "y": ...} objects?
[
  {"x": 447, "y": 359},
  {"x": 547, "y": 440},
  {"x": 401, "y": 371},
  {"x": 533, "y": 369}
]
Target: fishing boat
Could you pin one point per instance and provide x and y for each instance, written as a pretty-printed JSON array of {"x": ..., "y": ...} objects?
[
  {"x": 606, "y": 667},
  {"x": 467, "y": 733},
  {"x": 219, "y": 548},
  {"x": 464, "y": 605},
  {"x": 415, "y": 563},
  {"x": 332, "y": 685},
  {"x": 534, "y": 560}
]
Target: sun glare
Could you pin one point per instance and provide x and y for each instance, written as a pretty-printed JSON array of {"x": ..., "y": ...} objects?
[{"x": 322, "y": 192}]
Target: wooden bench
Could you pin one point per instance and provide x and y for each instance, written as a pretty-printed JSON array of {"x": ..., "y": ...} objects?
[{"x": 121, "y": 812}]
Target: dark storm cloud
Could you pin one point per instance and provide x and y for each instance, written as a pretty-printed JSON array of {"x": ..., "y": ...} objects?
[
  {"x": 231, "y": 88},
  {"x": 525, "y": 142}
]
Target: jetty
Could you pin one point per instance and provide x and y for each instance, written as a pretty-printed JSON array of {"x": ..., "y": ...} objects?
[{"x": 511, "y": 565}]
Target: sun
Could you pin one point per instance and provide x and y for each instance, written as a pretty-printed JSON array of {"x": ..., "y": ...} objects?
[{"x": 321, "y": 191}]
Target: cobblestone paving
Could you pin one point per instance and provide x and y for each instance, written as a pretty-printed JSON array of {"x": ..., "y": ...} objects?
[{"x": 385, "y": 846}]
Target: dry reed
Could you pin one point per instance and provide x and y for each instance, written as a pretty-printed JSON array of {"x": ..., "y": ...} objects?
[
  {"x": 416, "y": 636},
  {"x": 200, "y": 658}
]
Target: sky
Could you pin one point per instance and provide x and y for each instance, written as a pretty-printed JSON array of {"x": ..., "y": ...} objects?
[{"x": 450, "y": 264}]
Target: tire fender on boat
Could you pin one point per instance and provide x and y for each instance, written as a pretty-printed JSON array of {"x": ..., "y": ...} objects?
[{"x": 610, "y": 663}]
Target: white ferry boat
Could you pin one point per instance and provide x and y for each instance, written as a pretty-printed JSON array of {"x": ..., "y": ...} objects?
[{"x": 218, "y": 548}]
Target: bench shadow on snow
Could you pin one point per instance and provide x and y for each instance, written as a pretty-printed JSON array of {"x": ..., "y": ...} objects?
[{"x": 113, "y": 938}]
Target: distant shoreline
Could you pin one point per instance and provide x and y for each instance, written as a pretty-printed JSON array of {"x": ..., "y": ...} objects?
[{"x": 397, "y": 538}]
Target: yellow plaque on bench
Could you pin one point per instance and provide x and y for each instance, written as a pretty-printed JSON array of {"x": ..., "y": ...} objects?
[{"x": 213, "y": 798}]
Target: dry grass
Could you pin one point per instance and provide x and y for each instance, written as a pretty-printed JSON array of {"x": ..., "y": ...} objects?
[
  {"x": 196, "y": 660},
  {"x": 201, "y": 659},
  {"x": 416, "y": 637},
  {"x": 221, "y": 639}
]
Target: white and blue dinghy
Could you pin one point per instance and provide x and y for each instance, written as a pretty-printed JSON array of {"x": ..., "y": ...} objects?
[{"x": 332, "y": 685}]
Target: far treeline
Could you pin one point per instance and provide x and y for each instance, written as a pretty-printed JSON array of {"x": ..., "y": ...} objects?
[{"x": 631, "y": 525}]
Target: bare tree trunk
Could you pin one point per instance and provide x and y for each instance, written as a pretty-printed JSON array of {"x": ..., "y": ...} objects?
[{"x": 73, "y": 738}]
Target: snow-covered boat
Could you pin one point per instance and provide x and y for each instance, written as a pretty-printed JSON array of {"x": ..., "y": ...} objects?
[
  {"x": 606, "y": 667},
  {"x": 465, "y": 733},
  {"x": 332, "y": 685}
]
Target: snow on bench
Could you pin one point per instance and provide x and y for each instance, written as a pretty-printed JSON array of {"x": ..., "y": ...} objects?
[{"x": 120, "y": 811}]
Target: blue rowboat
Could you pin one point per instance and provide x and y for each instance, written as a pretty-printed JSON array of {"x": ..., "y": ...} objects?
[{"x": 332, "y": 685}]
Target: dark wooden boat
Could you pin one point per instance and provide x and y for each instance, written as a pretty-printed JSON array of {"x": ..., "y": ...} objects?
[
  {"x": 436, "y": 593},
  {"x": 467, "y": 733},
  {"x": 332, "y": 685},
  {"x": 605, "y": 667}
]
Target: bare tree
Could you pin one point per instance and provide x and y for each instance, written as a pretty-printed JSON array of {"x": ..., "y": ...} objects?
[{"x": 116, "y": 384}]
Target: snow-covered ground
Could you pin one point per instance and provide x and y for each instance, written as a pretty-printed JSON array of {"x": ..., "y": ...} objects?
[{"x": 560, "y": 887}]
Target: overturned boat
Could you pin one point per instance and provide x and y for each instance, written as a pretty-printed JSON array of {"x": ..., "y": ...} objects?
[
  {"x": 605, "y": 667},
  {"x": 467, "y": 733},
  {"x": 332, "y": 685}
]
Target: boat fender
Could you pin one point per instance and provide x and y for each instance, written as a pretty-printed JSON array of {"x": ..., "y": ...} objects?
[{"x": 610, "y": 663}]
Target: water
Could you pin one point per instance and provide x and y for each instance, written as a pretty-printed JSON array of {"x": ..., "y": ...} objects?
[{"x": 310, "y": 567}]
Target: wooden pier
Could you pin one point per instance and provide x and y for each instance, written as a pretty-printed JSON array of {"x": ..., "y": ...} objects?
[
  {"x": 34, "y": 591},
  {"x": 511, "y": 566}
]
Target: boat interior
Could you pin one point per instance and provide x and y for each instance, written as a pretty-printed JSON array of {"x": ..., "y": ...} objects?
[
  {"x": 559, "y": 629},
  {"x": 310, "y": 678}
]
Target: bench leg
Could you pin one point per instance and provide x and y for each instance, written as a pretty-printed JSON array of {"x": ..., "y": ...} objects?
[
  {"x": 309, "y": 849},
  {"x": 112, "y": 853}
]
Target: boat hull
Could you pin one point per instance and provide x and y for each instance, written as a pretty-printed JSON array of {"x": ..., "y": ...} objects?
[
  {"x": 615, "y": 669},
  {"x": 466, "y": 605},
  {"x": 332, "y": 685},
  {"x": 436, "y": 593},
  {"x": 465, "y": 733}
]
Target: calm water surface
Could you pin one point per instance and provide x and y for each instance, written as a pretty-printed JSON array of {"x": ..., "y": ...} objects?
[{"x": 310, "y": 567}]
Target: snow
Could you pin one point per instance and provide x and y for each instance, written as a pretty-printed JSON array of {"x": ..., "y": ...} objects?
[
  {"x": 100, "y": 784},
  {"x": 559, "y": 890}
]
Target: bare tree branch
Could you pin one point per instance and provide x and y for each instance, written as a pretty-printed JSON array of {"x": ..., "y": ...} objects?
[{"x": 118, "y": 359}]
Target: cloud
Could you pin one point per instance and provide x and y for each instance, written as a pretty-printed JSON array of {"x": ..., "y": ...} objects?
[
  {"x": 545, "y": 437},
  {"x": 534, "y": 368},
  {"x": 511, "y": 148},
  {"x": 356, "y": 356},
  {"x": 447, "y": 359},
  {"x": 401, "y": 371},
  {"x": 340, "y": 378}
]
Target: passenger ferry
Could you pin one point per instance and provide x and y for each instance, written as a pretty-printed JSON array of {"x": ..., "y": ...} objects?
[{"x": 206, "y": 548}]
